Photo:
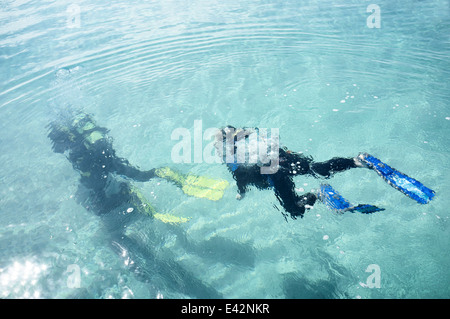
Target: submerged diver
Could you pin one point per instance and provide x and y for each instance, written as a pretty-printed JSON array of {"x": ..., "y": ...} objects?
[
  {"x": 289, "y": 164},
  {"x": 103, "y": 191},
  {"x": 89, "y": 150}
]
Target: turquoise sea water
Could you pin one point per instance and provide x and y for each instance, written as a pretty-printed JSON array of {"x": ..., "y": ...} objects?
[{"x": 313, "y": 69}]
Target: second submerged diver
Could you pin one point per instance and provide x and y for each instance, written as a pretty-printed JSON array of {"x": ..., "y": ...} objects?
[
  {"x": 90, "y": 151},
  {"x": 290, "y": 164},
  {"x": 105, "y": 189}
]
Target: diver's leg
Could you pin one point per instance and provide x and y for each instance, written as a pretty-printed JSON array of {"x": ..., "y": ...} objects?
[
  {"x": 294, "y": 204},
  {"x": 242, "y": 188},
  {"x": 307, "y": 200},
  {"x": 334, "y": 165},
  {"x": 123, "y": 167}
]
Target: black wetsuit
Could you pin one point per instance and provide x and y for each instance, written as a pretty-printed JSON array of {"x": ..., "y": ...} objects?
[
  {"x": 99, "y": 166},
  {"x": 104, "y": 193},
  {"x": 290, "y": 165}
]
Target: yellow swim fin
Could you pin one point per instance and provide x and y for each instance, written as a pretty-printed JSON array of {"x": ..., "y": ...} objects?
[
  {"x": 140, "y": 202},
  {"x": 143, "y": 206},
  {"x": 170, "y": 219},
  {"x": 204, "y": 187},
  {"x": 193, "y": 185}
]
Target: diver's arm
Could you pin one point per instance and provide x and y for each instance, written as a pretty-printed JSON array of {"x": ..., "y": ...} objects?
[
  {"x": 242, "y": 187},
  {"x": 123, "y": 167}
]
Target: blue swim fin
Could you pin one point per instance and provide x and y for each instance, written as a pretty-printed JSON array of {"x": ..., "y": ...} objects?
[
  {"x": 407, "y": 185},
  {"x": 334, "y": 201}
]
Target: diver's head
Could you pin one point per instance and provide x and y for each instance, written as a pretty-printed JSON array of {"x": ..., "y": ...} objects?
[
  {"x": 228, "y": 139},
  {"x": 61, "y": 136},
  {"x": 232, "y": 134},
  {"x": 80, "y": 130}
]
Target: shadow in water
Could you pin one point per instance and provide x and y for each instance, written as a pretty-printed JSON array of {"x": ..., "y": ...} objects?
[
  {"x": 223, "y": 250},
  {"x": 162, "y": 272},
  {"x": 296, "y": 286}
]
